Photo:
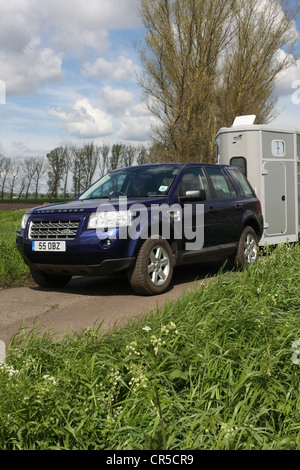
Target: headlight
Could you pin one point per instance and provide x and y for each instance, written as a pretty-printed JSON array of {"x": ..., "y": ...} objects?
[
  {"x": 111, "y": 219},
  {"x": 24, "y": 221}
]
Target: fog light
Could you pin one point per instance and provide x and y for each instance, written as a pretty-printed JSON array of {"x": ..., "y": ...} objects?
[{"x": 106, "y": 243}]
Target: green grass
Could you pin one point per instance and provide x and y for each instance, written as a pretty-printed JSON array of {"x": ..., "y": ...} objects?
[
  {"x": 215, "y": 369},
  {"x": 13, "y": 271}
]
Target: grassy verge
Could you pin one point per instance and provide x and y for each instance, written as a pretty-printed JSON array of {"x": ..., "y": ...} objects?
[
  {"x": 13, "y": 271},
  {"x": 217, "y": 369}
]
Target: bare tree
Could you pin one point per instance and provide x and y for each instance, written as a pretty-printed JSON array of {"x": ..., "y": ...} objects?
[
  {"x": 29, "y": 169},
  {"x": 129, "y": 154},
  {"x": 104, "y": 159},
  {"x": 5, "y": 167},
  {"x": 67, "y": 169},
  {"x": 204, "y": 61},
  {"x": 90, "y": 160},
  {"x": 77, "y": 168},
  {"x": 40, "y": 169},
  {"x": 142, "y": 155},
  {"x": 116, "y": 157},
  {"x": 56, "y": 162},
  {"x": 14, "y": 176},
  {"x": 21, "y": 186}
]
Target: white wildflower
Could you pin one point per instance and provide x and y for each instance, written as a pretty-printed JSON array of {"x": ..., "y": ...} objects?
[
  {"x": 296, "y": 353},
  {"x": 296, "y": 357},
  {"x": 132, "y": 349},
  {"x": 146, "y": 328},
  {"x": 50, "y": 378},
  {"x": 9, "y": 369}
]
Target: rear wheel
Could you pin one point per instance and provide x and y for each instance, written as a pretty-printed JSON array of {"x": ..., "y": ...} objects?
[
  {"x": 49, "y": 280},
  {"x": 247, "y": 252},
  {"x": 153, "y": 269}
]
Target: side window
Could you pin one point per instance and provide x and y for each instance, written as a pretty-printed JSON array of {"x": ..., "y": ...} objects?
[
  {"x": 241, "y": 163},
  {"x": 194, "y": 179},
  {"x": 243, "y": 182},
  {"x": 278, "y": 148},
  {"x": 223, "y": 187}
]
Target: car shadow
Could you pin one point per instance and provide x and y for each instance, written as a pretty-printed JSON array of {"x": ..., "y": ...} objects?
[{"x": 119, "y": 285}]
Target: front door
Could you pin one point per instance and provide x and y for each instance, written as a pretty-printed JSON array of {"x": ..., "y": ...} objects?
[{"x": 205, "y": 229}]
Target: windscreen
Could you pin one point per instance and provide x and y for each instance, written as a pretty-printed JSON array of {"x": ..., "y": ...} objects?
[{"x": 132, "y": 182}]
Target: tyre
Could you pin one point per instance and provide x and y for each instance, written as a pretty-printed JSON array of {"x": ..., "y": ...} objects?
[
  {"x": 49, "y": 280},
  {"x": 153, "y": 270},
  {"x": 247, "y": 251}
]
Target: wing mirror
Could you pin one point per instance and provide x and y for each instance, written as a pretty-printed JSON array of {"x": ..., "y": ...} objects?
[{"x": 194, "y": 196}]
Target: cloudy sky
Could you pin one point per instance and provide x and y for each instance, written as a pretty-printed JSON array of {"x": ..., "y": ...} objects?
[{"x": 68, "y": 75}]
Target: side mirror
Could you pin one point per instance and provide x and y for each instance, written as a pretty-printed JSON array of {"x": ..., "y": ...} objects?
[{"x": 194, "y": 196}]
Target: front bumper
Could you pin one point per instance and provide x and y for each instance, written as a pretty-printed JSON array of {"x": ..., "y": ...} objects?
[
  {"x": 90, "y": 261},
  {"x": 106, "y": 268}
]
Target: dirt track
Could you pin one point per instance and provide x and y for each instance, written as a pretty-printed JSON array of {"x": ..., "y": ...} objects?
[{"x": 86, "y": 301}]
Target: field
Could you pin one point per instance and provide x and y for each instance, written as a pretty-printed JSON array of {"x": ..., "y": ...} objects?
[
  {"x": 13, "y": 271},
  {"x": 217, "y": 369}
]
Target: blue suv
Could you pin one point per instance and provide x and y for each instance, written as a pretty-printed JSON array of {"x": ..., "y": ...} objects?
[{"x": 144, "y": 220}]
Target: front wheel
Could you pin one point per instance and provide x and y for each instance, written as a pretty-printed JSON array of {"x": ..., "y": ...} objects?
[
  {"x": 49, "y": 280},
  {"x": 153, "y": 270},
  {"x": 247, "y": 251}
]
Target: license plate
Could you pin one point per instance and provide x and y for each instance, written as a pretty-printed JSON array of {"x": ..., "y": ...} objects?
[{"x": 48, "y": 246}]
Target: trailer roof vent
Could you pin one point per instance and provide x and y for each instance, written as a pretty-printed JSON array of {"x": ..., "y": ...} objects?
[{"x": 244, "y": 120}]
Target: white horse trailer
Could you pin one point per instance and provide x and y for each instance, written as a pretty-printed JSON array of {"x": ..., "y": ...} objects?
[{"x": 270, "y": 158}]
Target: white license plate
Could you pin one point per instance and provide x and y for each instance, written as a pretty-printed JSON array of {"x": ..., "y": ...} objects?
[{"x": 48, "y": 246}]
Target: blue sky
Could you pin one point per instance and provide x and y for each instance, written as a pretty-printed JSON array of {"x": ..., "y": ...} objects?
[{"x": 69, "y": 68}]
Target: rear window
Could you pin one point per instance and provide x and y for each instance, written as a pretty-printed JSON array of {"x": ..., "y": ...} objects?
[
  {"x": 243, "y": 182},
  {"x": 222, "y": 185}
]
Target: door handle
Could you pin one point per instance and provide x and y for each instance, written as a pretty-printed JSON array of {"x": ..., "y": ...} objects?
[
  {"x": 212, "y": 209},
  {"x": 239, "y": 206}
]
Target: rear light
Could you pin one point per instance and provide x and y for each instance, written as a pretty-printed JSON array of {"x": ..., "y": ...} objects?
[{"x": 260, "y": 207}]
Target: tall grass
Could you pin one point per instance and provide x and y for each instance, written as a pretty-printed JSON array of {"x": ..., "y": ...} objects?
[
  {"x": 13, "y": 271},
  {"x": 216, "y": 369}
]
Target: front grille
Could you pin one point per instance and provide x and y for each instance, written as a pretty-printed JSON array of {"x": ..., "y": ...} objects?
[{"x": 53, "y": 229}]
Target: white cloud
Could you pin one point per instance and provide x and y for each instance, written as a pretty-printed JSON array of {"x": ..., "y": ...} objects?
[
  {"x": 286, "y": 79},
  {"x": 136, "y": 120},
  {"x": 25, "y": 71},
  {"x": 83, "y": 120},
  {"x": 121, "y": 70},
  {"x": 116, "y": 101},
  {"x": 91, "y": 14},
  {"x": 136, "y": 128},
  {"x": 78, "y": 25},
  {"x": 35, "y": 37}
]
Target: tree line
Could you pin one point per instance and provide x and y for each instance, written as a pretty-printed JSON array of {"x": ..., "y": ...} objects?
[{"x": 65, "y": 170}]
